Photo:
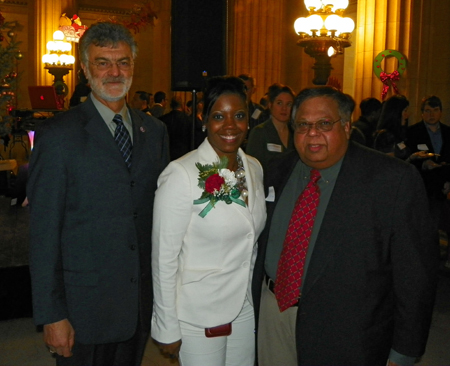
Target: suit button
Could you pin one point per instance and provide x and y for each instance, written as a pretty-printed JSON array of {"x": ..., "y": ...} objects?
[
  {"x": 135, "y": 215},
  {"x": 133, "y": 247},
  {"x": 133, "y": 280},
  {"x": 132, "y": 183},
  {"x": 246, "y": 264}
]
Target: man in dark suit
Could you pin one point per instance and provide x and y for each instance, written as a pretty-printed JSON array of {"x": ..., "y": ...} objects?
[
  {"x": 93, "y": 175},
  {"x": 364, "y": 127},
  {"x": 160, "y": 104},
  {"x": 432, "y": 136},
  {"x": 179, "y": 128},
  {"x": 363, "y": 291}
]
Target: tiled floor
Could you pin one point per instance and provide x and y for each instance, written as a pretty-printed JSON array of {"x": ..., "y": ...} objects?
[{"x": 21, "y": 344}]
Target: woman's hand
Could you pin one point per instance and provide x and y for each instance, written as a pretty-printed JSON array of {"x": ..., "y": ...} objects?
[{"x": 171, "y": 350}]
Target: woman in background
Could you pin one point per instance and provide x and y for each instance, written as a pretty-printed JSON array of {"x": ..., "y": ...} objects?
[
  {"x": 274, "y": 137},
  {"x": 209, "y": 211}
]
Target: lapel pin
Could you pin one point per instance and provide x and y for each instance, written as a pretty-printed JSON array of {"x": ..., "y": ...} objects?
[{"x": 142, "y": 129}]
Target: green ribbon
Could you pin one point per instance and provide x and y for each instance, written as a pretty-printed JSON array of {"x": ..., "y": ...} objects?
[{"x": 209, "y": 206}]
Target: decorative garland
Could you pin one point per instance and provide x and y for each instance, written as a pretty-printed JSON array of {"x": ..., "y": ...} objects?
[
  {"x": 389, "y": 79},
  {"x": 140, "y": 16}
]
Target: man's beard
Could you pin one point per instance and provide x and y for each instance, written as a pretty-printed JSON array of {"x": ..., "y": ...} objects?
[{"x": 99, "y": 86}]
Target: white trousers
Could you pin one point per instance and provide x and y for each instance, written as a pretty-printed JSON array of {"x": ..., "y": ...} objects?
[{"x": 237, "y": 349}]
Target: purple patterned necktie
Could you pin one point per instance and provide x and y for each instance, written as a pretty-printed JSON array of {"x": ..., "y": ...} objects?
[{"x": 295, "y": 246}]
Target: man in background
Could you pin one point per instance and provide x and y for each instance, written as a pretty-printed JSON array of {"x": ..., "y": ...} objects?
[
  {"x": 179, "y": 127},
  {"x": 255, "y": 111},
  {"x": 364, "y": 127},
  {"x": 93, "y": 174},
  {"x": 141, "y": 101},
  {"x": 160, "y": 104}
]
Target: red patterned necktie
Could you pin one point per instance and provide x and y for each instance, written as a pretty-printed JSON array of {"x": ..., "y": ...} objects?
[{"x": 295, "y": 246}]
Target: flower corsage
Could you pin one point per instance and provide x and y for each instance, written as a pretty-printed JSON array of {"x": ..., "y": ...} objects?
[{"x": 220, "y": 184}]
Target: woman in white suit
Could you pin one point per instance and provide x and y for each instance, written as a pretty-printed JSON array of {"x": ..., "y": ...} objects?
[{"x": 209, "y": 211}]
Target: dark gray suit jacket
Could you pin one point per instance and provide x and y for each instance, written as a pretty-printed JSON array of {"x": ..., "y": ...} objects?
[
  {"x": 90, "y": 224},
  {"x": 371, "y": 281}
]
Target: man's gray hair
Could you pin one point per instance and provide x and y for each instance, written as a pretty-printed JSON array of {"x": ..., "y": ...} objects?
[
  {"x": 345, "y": 103},
  {"x": 105, "y": 34}
]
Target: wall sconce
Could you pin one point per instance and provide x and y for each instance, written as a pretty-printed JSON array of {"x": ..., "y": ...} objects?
[
  {"x": 324, "y": 34},
  {"x": 59, "y": 62}
]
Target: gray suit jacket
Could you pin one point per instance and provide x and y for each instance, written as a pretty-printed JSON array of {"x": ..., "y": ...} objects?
[
  {"x": 370, "y": 284},
  {"x": 90, "y": 223}
]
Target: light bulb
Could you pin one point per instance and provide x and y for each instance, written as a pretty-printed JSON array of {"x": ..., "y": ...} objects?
[
  {"x": 301, "y": 26},
  {"x": 340, "y": 4},
  {"x": 45, "y": 59},
  {"x": 333, "y": 22},
  {"x": 63, "y": 59},
  {"x": 51, "y": 46},
  {"x": 347, "y": 25},
  {"x": 53, "y": 58},
  {"x": 315, "y": 22},
  {"x": 331, "y": 51},
  {"x": 58, "y": 36}
]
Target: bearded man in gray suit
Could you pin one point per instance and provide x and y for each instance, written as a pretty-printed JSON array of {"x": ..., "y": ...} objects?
[{"x": 92, "y": 180}]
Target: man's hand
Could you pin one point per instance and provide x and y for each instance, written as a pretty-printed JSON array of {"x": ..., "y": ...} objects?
[
  {"x": 59, "y": 337},
  {"x": 390, "y": 363},
  {"x": 171, "y": 350}
]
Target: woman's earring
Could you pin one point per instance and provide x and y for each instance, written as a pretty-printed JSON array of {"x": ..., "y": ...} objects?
[
  {"x": 248, "y": 127},
  {"x": 203, "y": 128}
]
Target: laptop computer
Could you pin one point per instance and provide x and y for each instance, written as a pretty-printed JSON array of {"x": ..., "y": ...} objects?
[{"x": 43, "y": 98}]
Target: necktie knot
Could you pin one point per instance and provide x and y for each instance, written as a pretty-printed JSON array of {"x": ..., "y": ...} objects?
[
  {"x": 314, "y": 176},
  {"x": 118, "y": 119}
]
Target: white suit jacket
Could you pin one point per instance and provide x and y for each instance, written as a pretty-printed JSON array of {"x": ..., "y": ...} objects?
[{"x": 202, "y": 267}]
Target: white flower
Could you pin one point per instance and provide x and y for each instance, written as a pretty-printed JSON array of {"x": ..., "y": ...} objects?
[{"x": 228, "y": 175}]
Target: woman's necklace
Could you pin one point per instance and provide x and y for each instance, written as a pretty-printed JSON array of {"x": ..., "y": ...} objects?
[{"x": 240, "y": 176}]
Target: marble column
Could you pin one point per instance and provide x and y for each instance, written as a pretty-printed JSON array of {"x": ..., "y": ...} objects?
[
  {"x": 381, "y": 24},
  {"x": 255, "y": 45}
]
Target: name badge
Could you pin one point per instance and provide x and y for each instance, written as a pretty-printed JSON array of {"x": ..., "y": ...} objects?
[
  {"x": 271, "y": 195},
  {"x": 274, "y": 147},
  {"x": 256, "y": 113},
  {"x": 423, "y": 147},
  {"x": 401, "y": 145}
]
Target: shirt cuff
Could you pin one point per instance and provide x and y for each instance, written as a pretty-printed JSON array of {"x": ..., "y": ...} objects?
[{"x": 400, "y": 359}]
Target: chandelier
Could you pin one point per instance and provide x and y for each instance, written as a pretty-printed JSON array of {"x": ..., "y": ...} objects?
[
  {"x": 323, "y": 34},
  {"x": 58, "y": 62}
]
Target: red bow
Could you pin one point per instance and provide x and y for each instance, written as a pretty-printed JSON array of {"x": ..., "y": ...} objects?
[{"x": 389, "y": 78}]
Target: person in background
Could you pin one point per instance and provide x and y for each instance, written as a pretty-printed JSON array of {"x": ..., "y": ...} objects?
[
  {"x": 254, "y": 109},
  {"x": 364, "y": 128},
  {"x": 179, "y": 127},
  {"x": 390, "y": 135},
  {"x": 141, "y": 100},
  {"x": 429, "y": 141},
  {"x": 274, "y": 137},
  {"x": 82, "y": 90},
  {"x": 208, "y": 216},
  {"x": 347, "y": 263},
  {"x": 160, "y": 104},
  {"x": 92, "y": 179}
]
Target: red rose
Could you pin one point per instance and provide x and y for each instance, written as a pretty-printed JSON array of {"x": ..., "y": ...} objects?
[{"x": 214, "y": 182}]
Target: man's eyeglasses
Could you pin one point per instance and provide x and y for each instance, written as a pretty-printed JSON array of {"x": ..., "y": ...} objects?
[
  {"x": 123, "y": 65},
  {"x": 321, "y": 126}
]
